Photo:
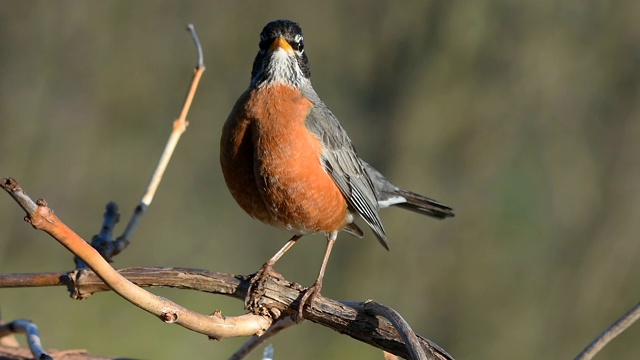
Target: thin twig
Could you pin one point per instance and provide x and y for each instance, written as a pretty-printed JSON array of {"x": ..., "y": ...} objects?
[
  {"x": 610, "y": 333},
  {"x": 31, "y": 280},
  {"x": 179, "y": 127},
  {"x": 103, "y": 242},
  {"x": 13, "y": 188},
  {"x": 428, "y": 347},
  {"x": 256, "y": 341},
  {"x": 33, "y": 336},
  {"x": 409, "y": 337},
  {"x": 192, "y": 31}
]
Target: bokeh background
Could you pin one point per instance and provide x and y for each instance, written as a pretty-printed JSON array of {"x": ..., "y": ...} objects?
[{"x": 521, "y": 116}]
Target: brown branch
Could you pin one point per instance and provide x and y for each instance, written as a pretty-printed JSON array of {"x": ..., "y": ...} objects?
[
  {"x": 280, "y": 299},
  {"x": 216, "y": 327},
  {"x": 409, "y": 337},
  {"x": 32, "y": 280},
  {"x": 84, "y": 283},
  {"x": 610, "y": 333}
]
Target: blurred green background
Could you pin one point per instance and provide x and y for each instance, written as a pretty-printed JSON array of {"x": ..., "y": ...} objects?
[{"x": 521, "y": 116}]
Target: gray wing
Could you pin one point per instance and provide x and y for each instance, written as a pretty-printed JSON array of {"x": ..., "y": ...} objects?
[{"x": 343, "y": 165}]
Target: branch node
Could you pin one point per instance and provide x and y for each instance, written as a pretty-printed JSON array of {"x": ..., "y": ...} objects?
[
  {"x": 9, "y": 184},
  {"x": 180, "y": 125},
  {"x": 169, "y": 317}
]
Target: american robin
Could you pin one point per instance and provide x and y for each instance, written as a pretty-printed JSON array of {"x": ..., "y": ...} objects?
[{"x": 288, "y": 162}]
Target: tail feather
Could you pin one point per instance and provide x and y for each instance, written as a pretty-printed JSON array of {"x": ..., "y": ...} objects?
[
  {"x": 390, "y": 195},
  {"x": 423, "y": 205}
]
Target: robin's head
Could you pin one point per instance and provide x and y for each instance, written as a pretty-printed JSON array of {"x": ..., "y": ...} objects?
[{"x": 281, "y": 58}]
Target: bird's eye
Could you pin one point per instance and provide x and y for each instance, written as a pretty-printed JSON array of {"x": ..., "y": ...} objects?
[{"x": 298, "y": 46}]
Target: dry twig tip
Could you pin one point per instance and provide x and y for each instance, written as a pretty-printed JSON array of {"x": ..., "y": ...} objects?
[{"x": 192, "y": 30}]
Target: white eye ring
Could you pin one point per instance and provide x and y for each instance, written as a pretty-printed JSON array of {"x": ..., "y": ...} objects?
[{"x": 297, "y": 38}]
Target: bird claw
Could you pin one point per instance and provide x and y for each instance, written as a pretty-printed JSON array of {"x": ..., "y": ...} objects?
[
  {"x": 256, "y": 288},
  {"x": 307, "y": 299}
]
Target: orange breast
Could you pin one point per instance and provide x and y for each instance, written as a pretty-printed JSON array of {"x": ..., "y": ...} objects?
[{"x": 272, "y": 166}]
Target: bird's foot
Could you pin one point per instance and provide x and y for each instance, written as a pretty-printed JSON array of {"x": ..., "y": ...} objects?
[
  {"x": 307, "y": 298},
  {"x": 257, "y": 288}
]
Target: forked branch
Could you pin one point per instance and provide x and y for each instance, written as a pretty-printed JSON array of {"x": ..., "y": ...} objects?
[
  {"x": 104, "y": 243},
  {"x": 216, "y": 327}
]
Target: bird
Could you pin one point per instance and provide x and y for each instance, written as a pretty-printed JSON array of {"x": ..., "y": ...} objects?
[{"x": 288, "y": 162}]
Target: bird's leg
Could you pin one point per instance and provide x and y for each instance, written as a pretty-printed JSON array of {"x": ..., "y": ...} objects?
[
  {"x": 314, "y": 290},
  {"x": 267, "y": 268},
  {"x": 258, "y": 279}
]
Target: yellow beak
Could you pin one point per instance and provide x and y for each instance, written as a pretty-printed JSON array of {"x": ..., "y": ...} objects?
[{"x": 280, "y": 42}]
